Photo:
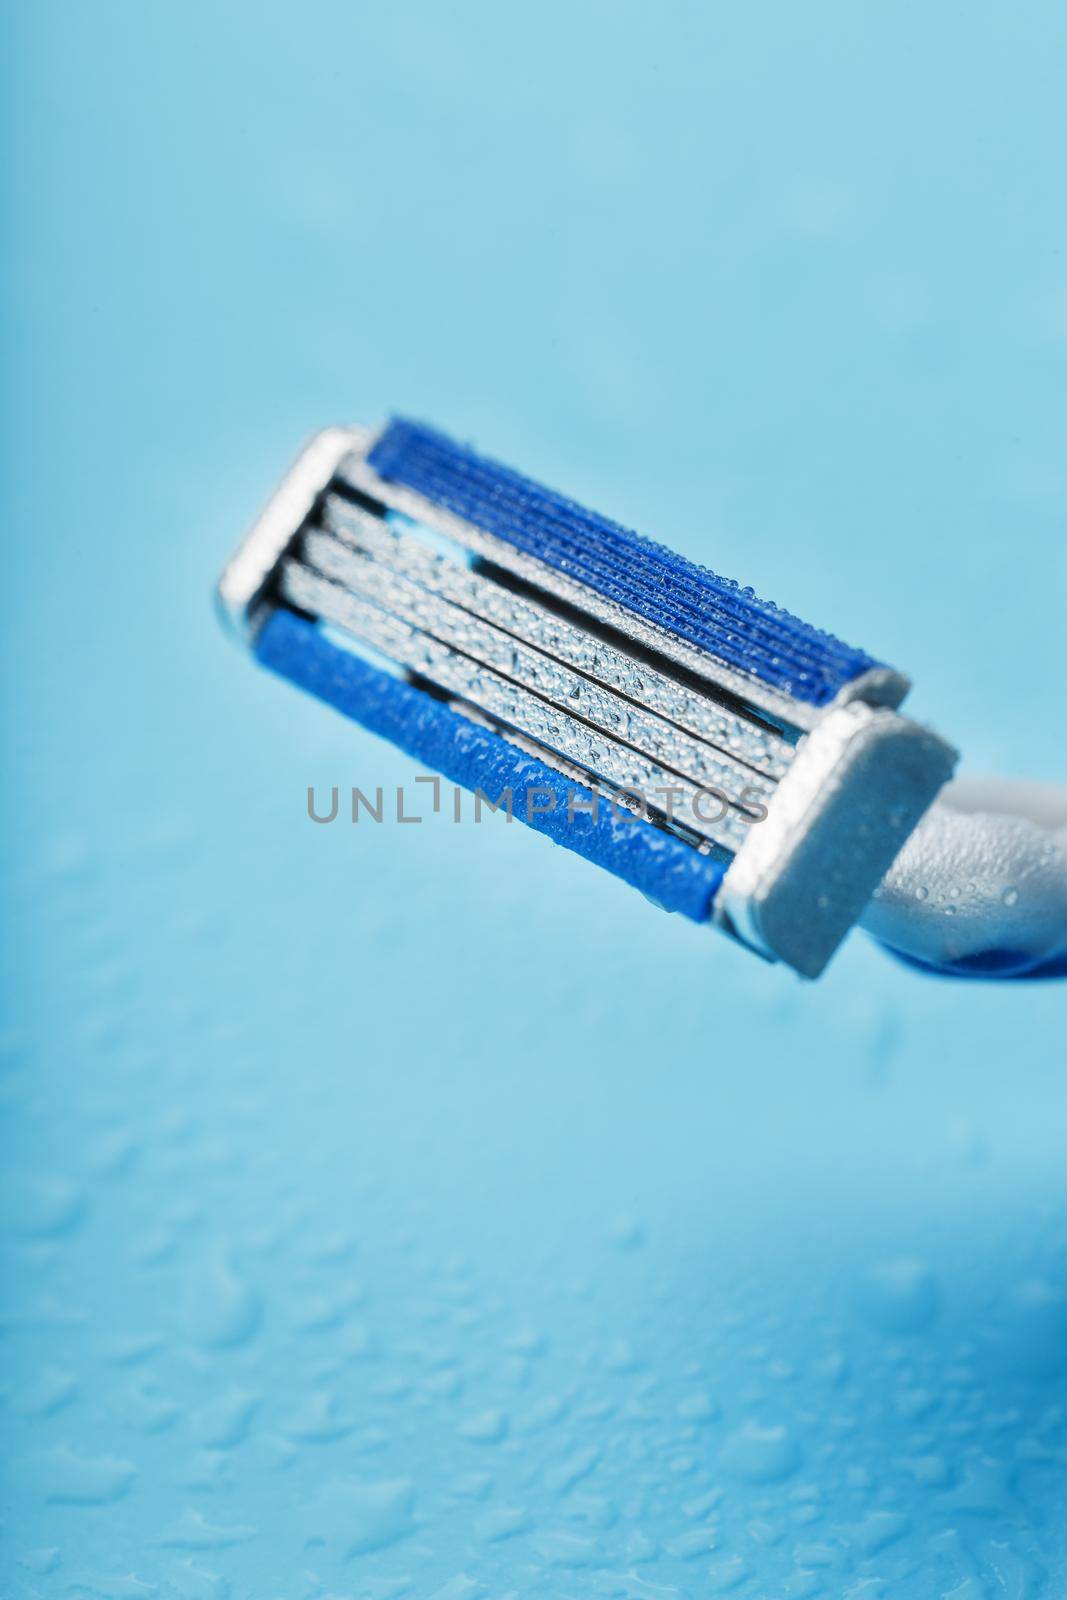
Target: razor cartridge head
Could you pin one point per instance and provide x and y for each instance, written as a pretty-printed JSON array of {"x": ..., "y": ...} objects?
[{"x": 713, "y": 750}]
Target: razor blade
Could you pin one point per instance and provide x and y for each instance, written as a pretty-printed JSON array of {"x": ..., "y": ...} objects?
[{"x": 732, "y": 762}]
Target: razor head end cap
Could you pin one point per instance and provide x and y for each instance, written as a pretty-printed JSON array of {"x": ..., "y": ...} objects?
[{"x": 860, "y": 783}]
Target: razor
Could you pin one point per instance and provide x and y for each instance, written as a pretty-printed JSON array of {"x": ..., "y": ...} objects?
[{"x": 732, "y": 762}]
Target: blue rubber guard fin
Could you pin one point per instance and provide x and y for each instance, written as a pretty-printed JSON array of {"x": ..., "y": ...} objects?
[
  {"x": 669, "y": 872},
  {"x": 712, "y": 614}
]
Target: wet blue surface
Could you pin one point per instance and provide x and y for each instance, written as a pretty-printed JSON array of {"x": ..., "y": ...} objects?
[{"x": 414, "y": 1210}]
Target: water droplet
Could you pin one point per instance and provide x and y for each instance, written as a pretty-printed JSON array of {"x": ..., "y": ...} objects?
[
  {"x": 760, "y": 1454},
  {"x": 221, "y": 1309},
  {"x": 487, "y": 1427},
  {"x": 44, "y": 1207},
  {"x": 698, "y": 1407},
  {"x": 503, "y": 1523},
  {"x": 192, "y": 1531},
  {"x": 79, "y": 1480},
  {"x": 900, "y": 1295},
  {"x": 319, "y": 1420},
  {"x": 723, "y": 1576},
  {"x": 351, "y": 1518}
]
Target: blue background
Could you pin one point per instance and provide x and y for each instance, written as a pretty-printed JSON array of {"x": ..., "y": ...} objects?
[{"x": 415, "y": 1210}]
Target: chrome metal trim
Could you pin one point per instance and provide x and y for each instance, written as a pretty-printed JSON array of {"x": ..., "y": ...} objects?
[{"x": 246, "y": 577}]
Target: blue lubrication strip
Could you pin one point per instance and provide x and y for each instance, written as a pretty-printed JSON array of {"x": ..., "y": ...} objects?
[
  {"x": 669, "y": 872},
  {"x": 711, "y": 613}
]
